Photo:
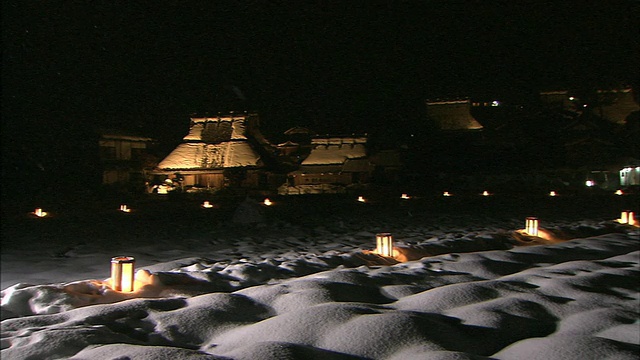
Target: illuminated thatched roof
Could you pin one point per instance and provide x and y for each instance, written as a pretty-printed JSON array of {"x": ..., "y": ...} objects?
[
  {"x": 452, "y": 114},
  {"x": 328, "y": 151},
  {"x": 213, "y": 143},
  {"x": 210, "y": 156}
]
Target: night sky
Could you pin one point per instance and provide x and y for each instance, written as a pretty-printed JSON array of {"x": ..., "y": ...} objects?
[{"x": 334, "y": 66}]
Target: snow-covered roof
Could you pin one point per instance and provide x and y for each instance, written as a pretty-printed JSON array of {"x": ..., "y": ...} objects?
[
  {"x": 288, "y": 144},
  {"x": 452, "y": 115},
  {"x": 210, "y": 156},
  {"x": 297, "y": 130},
  {"x": 334, "y": 154},
  {"x": 216, "y": 129},
  {"x": 118, "y": 134}
]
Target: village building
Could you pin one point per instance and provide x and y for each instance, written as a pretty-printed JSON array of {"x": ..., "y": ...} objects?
[
  {"x": 612, "y": 105},
  {"x": 333, "y": 164},
  {"x": 584, "y": 139},
  {"x": 125, "y": 158},
  {"x": 217, "y": 152},
  {"x": 452, "y": 114}
]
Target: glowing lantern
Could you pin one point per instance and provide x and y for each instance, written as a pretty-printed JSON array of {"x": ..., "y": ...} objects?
[
  {"x": 627, "y": 217},
  {"x": 124, "y": 208},
  {"x": 384, "y": 244},
  {"x": 267, "y": 202},
  {"x": 405, "y": 196},
  {"x": 531, "y": 226},
  {"x": 619, "y": 192},
  {"x": 590, "y": 183},
  {"x": 122, "y": 272},
  {"x": 207, "y": 205},
  {"x": 39, "y": 213},
  {"x": 553, "y": 193},
  {"x": 446, "y": 193},
  {"x": 361, "y": 199},
  {"x": 485, "y": 193}
]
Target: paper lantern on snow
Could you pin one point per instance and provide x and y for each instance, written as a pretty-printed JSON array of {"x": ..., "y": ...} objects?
[
  {"x": 531, "y": 226},
  {"x": 384, "y": 244},
  {"x": 122, "y": 273},
  {"x": 39, "y": 213},
  {"x": 627, "y": 217}
]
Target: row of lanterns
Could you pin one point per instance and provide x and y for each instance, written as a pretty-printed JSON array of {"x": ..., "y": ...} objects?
[
  {"x": 267, "y": 202},
  {"x": 122, "y": 267},
  {"x": 552, "y": 193}
]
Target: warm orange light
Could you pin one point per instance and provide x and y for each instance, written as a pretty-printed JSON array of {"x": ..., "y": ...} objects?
[
  {"x": 267, "y": 202},
  {"x": 361, "y": 199},
  {"x": 39, "y": 213},
  {"x": 207, "y": 205},
  {"x": 384, "y": 244},
  {"x": 627, "y": 217},
  {"x": 552, "y": 193},
  {"x": 619, "y": 192},
  {"x": 485, "y": 193},
  {"x": 122, "y": 273},
  {"x": 125, "y": 208},
  {"x": 405, "y": 196},
  {"x": 531, "y": 226}
]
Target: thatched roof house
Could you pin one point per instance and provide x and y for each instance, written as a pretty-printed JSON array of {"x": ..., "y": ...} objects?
[{"x": 214, "y": 148}]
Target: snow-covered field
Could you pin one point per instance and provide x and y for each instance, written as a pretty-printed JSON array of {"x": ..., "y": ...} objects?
[{"x": 300, "y": 284}]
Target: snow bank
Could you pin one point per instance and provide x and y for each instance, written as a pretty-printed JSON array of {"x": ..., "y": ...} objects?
[{"x": 575, "y": 299}]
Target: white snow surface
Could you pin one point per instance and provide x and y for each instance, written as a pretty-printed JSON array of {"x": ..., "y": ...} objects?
[
  {"x": 286, "y": 291},
  {"x": 238, "y": 128},
  {"x": 208, "y": 156},
  {"x": 334, "y": 154}
]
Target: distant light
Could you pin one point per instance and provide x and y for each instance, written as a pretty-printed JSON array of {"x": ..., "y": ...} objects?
[
  {"x": 619, "y": 192},
  {"x": 361, "y": 199},
  {"x": 124, "y": 208},
  {"x": 267, "y": 202},
  {"x": 485, "y": 193},
  {"x": 552, "y": 193},
  {"x": 495, "y": 103},
  {"x": 39, "y": 213},
  {"x": 405, "y": 196},
  {"x": 590, "y": 183},
  {"x": 446, "y": 193},
  {"x": 207, "y": 205},
  {"x": 585, "y": 105},
  {"x": 571, "y": 98}
]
